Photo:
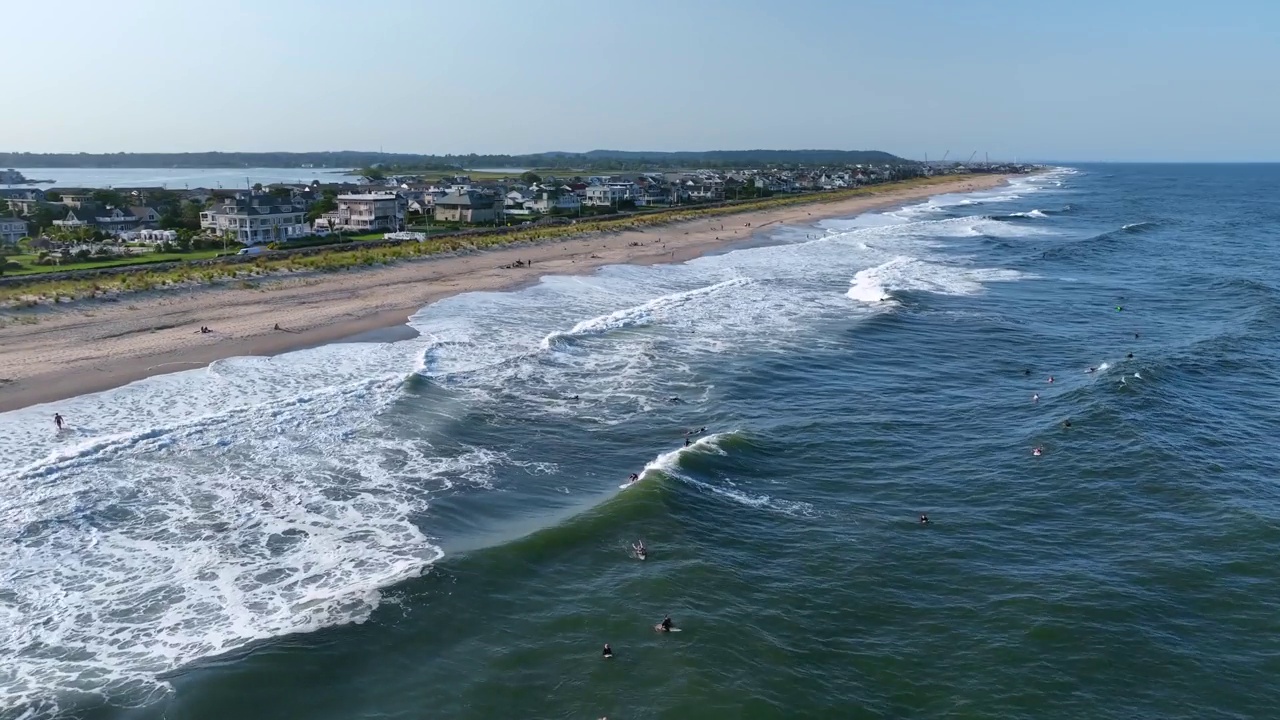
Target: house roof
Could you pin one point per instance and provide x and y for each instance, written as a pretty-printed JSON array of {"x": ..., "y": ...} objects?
[
  {"x": 256, "y": 205},
  {"x": 141, "y": 211},
  {"x": 465, "y": 199}
]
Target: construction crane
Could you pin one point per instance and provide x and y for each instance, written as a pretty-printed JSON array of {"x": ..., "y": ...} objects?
[
  {"x": 970, "y": 160},
  {"x": 944, "y": 156}
]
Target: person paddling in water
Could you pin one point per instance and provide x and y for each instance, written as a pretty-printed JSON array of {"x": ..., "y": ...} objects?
[
  {"x": 58, "y": 421},
  {"x": 665, "y": 626},
  {"x": 640, "y": 550},
  {"x": 924, "y": 519}
]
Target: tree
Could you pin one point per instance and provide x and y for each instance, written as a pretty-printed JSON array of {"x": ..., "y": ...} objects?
[
  {"x": 42, "y": 216},
  {"x": 373, "y": 174},
  {"x": 257, "y": 187},
  {"x": 327, "y": 203},
  {"x": 53, "y": 196},
  {"x": 530, "y": 177},
  {"x": 108, "y": 197}
]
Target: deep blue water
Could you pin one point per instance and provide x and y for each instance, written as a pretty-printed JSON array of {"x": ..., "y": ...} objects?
[{"x": 434, "y": 527}]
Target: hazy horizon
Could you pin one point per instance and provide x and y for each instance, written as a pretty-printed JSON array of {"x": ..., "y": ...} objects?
[{"x": 1174, "y": 81}]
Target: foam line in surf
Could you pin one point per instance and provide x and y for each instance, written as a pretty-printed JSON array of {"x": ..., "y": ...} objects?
[
  {"x": 877, "y": 284},
  {"x": 637, "y": 315},
  {"x": 668, "y": 464}
]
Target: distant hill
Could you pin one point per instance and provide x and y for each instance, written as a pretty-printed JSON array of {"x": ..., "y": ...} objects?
[{"x": 593, "y": 160}]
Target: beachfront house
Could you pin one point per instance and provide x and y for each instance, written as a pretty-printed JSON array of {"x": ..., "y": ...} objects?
[
  {"x": 610, "y": 193},
  {"x": 251, "y": 219},
  {"x": 546, "y": 200},
  {"x": 110, "y": 220},
  {"x": 467, "y": 206},
  {"x": 12, "y": 230},
  {"x": 75, "y": 197},
  {"x": 367, "y": 212}
]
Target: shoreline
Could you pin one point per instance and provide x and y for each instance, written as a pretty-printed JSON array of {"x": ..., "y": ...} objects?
[{"x": 98, "y": 345}]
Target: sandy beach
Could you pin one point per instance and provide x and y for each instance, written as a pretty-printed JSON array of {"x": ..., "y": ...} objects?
[{"x": 95, "y": 345}]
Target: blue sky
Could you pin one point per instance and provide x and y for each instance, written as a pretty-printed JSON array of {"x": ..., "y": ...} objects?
[{"x": 1075, "y": 80}]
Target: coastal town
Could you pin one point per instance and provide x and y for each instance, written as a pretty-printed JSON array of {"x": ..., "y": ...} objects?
[{"x": 59, "y": 228}]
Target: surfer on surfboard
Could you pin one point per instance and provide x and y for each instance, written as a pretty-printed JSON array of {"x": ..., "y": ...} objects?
[
  {"x": 665, "y": 626},
  {"x": 608, "y": 652},
  {"x": 642, "y": 552}
]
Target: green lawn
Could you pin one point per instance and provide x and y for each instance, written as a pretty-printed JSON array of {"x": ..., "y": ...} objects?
[{"x": 29, "y": 266}]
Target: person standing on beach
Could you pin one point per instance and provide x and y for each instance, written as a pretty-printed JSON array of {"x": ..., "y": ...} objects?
[{"x": 57, "y": 420}]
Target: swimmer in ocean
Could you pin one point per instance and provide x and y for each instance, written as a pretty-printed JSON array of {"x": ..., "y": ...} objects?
[
  {"x": 1066, "y": 423},
  {"x": 1037, "y": 452},
  {"x": 924, "y": 519},
  {"x": 1035, "y": 397},
  {"x": 1129, "y": 356},
  {"x": 1051, "y": 378},
  {"x": 640, "y": 550},
  {"x": 1027, "y": 372},
  {"x": 1089, "y": 370}
]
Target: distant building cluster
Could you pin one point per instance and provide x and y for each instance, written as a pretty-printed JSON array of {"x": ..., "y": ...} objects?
[{"x": 284, "y": 212}]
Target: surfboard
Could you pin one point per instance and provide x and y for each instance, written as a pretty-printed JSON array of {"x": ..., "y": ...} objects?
[
  {"x": 628, "y": 484},
  {"x": 658, "y": 627}
]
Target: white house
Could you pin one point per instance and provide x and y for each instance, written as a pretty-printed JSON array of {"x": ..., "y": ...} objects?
[
  {"x": 612, "y": 194},
  {"x": 110, "y": 220},
  {"x": 366, "y": 212},
  {"x": 549, "y": 201},
  {"x": 256, "y": 219}
]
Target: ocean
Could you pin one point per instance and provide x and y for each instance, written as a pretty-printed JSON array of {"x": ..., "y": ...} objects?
[{"x": 433, "y": 527}]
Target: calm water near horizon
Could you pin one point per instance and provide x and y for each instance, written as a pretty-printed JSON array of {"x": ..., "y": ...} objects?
[
  {"x": 433, "y": 527},
  {"x": 179, "y": 178},
  {"x": 190, "y": 178}
]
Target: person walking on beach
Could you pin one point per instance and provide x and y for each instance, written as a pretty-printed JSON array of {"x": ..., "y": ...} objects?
[{"x": 57, "y": 420}]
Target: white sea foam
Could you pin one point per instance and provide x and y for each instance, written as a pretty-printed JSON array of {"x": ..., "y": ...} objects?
[{"x": 877, "y": 284}]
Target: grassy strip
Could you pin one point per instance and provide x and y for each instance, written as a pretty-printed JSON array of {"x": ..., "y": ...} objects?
[
  {"x": 345, "y": 256},
  {"x": 29, "y": 266}
]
